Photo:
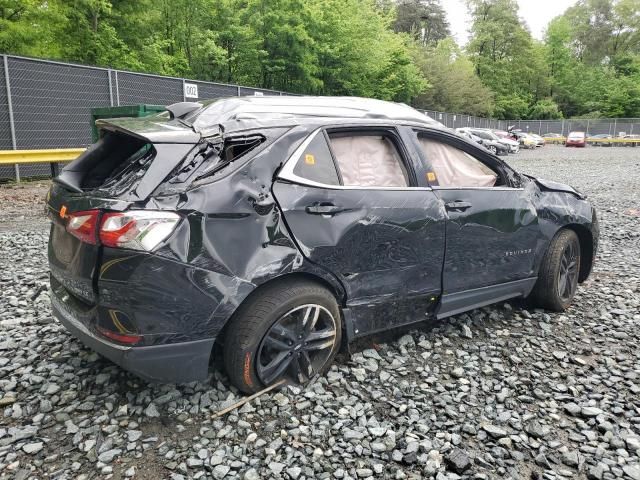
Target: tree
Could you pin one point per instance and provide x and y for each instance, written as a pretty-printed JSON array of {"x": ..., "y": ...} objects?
[
  {"x": 502, "y": 51},
  {"x": 454, "y": 85},
  {"x": 545, "y": 109},
  {"x": 594, "y": 58},
  {"x": 425, "y": 20}
]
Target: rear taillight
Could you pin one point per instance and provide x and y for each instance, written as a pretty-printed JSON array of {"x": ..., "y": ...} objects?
[
  {"x": 137, "y": 229},
  {"x": 124, "y": 338},
  {"x": 83, "y": 225}
]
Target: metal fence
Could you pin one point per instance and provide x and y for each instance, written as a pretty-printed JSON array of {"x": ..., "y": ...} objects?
[
  {"x": 458, "y": 120},
  {"x": 47, "y": 104},
  {"x": 617, "y": 127}
]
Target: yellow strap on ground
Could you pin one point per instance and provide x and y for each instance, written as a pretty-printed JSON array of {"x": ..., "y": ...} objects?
[{"x": 9, "y": 157}]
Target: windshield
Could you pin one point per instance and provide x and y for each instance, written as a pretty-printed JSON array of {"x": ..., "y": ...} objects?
[{"x": 576, "y": 135}]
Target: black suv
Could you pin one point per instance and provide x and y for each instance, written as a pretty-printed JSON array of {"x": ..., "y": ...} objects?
[{"x": 284, "y": 227}]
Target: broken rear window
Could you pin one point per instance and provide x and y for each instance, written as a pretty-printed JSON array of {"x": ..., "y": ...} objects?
[
  {"x": 118, "y": 162},
  {"x": 207, "y": 158}
]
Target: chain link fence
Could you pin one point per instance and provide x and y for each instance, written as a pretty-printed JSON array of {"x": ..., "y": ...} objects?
[
  {"x": 616, "y": 127},
  {"x": 46, "y": 104}
]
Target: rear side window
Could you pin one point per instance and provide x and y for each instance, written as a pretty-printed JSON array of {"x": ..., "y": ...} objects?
[
  {"x": 316, "y": 163},
  {"x": 368, "y": 160}
]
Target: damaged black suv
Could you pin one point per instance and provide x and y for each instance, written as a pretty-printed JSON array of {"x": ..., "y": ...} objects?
[{"x": 280, "y": 228}]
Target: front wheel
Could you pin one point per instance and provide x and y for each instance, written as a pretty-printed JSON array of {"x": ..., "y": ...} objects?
[
  {"x": 290, "y": 330},
  {"x": 558, "y": 274},
  {"x": 493, "y": 149}
]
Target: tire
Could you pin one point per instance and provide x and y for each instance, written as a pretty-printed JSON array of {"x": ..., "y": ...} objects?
[
  {"x": 268, "y": 329},
  {"x": 550, "y": 291},
  {"x": 493, "y": 149}
]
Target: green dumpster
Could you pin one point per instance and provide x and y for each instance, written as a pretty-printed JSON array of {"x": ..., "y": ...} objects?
[{"x": 119, "y": 112}]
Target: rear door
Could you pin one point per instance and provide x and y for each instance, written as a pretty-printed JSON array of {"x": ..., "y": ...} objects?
[
  {"x": 353, "y": 203},
  {"x": 492, "y": 229}
]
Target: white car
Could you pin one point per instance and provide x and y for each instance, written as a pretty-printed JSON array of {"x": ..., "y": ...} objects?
[
  {"x": 514, "y": 145},
  {"x": 539, "y": 140}
]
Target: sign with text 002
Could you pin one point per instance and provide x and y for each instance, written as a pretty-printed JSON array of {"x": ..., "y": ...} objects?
[{"x": 190, "y": 90}]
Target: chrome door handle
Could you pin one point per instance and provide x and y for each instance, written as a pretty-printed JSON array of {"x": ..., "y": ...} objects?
[
  {"x": 457, "y": 206},
  {"x": 324, "y": 209}
]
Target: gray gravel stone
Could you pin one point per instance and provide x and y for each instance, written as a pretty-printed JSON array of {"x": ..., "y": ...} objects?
[
  {"x": 521, "y": 393},
  {"x": 458, "y": 460},
  {"x": 495, "y": 431},
  {"x": 633, "y": 471},
  {"x": 32, "y": 448}
]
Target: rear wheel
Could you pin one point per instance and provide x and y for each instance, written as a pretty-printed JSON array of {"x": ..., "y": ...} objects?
[
  {"x": 558, "y": 275},
  {"x": 291, "y": 330}
]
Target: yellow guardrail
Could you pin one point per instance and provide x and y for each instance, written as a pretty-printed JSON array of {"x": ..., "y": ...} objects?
[
  {"x": 595, "y": 140},
  {"x": 56, "y": 155}
]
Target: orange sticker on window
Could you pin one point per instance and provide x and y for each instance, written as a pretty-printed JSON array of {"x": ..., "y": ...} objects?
[
  {"x": 63, "y": 211},
  {"x": 431, "y": 176},
  {"x": 309, "y": 159}
]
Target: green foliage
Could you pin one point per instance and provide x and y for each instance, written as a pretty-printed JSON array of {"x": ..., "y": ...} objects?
[
  {"x": 588, "y": 64},
  {"x": 318, "y": 46},
  {"x": 455, "y": 87},
  {"x": 545, "y": 109},
  {"x": 425, "y": 20}
]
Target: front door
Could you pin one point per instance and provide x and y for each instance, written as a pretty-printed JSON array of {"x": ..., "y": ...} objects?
[
  {"x": 492, "y": 232},
  {"x": 351, "y": 201}
]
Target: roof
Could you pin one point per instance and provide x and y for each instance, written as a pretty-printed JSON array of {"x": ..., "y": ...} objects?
[
  {"x": 242, "y": 113},
  {"x": 269, "y": 108}
]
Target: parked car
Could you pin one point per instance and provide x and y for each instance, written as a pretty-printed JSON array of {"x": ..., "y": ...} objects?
[
  {"x": 597, "y": 140},
  {"x": 503, "y": 134},
  {"x": 283, "y": 228},
  {"x": 466, "y": 133},
  {"x": 526, "y": 141},
  {"x": 513, "y": 146},
  {"x": 554, "y": 138},
  {"x": 490, "y": 142},
  {"x": 630, "y": 140},
  {"x": 576, "y": 139},
  {"x": 539, "y": 140}
]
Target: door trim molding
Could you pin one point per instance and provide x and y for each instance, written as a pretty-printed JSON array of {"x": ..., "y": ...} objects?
[{"x": 454, "y": 303}]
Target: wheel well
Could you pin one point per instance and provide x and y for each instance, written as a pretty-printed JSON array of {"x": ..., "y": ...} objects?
[
  {"x": 304, "y": 276},
  {"x": 289, "y": 277},
  {"x": 586, "y": 249}
]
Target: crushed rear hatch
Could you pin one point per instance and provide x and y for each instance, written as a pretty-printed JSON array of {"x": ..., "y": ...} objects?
[{"x": 122, "y": 169}]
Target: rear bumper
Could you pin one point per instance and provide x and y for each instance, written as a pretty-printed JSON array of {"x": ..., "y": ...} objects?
[{"x": 171, "y": 363}]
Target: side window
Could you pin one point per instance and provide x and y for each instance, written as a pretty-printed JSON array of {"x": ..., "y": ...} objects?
[
  {"x": 368, "y": 160},
  {"x": 454, "y": 167},
  {"x": 316, "y": 163}
]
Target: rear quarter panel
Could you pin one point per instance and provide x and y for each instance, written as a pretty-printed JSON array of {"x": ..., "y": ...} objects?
[{"x": 235, "y": 234}]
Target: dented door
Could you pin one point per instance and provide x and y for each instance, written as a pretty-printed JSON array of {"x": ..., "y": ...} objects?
[{"x": 386, "y": 246}]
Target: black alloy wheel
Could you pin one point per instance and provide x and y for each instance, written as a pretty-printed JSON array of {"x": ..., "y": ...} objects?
[
  {"x": 568, "y": 272},
  {"x": 297, "y": 345},
  {"x": 559, "y": 273},
  {"x": 289, "y": 330}
]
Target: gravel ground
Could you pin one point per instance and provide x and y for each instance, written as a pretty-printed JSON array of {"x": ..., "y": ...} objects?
[{"x": 500, "y": 392}]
